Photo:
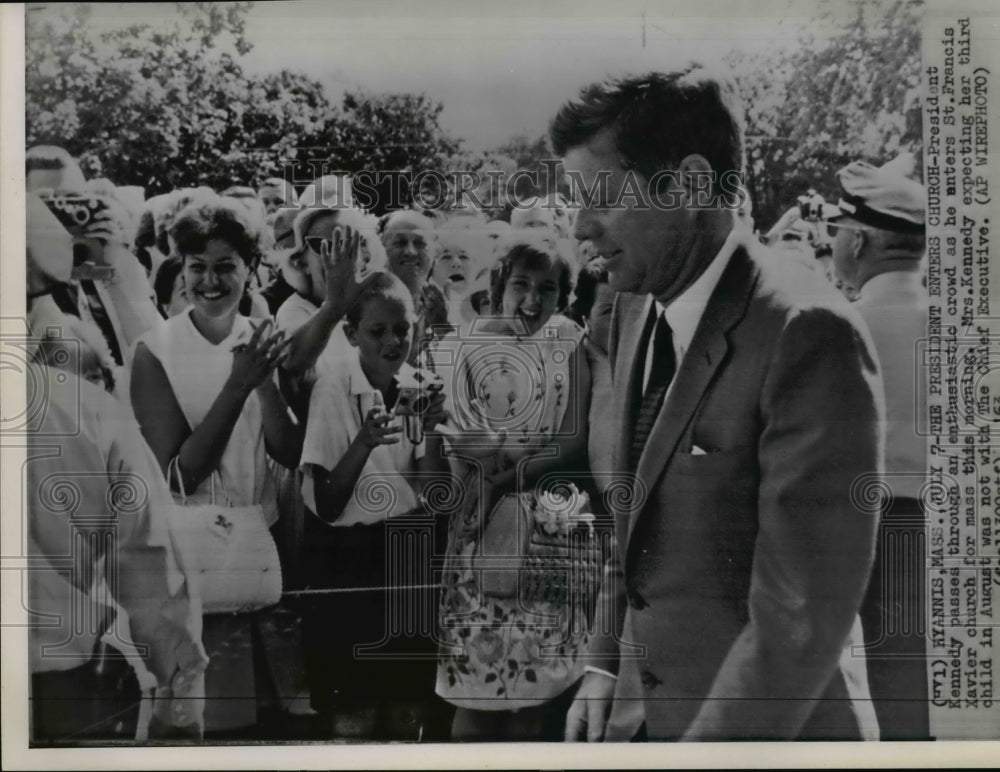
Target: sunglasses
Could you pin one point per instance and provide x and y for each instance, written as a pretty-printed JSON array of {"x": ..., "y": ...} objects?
[{"x": 315, "y": 243}]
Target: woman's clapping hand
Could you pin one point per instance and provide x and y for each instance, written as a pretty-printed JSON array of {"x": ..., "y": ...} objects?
[{"x": 254, "y": 361}]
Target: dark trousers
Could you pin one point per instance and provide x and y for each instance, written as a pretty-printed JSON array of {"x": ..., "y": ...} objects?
[
  {"x": 371, "y": 644},
  {"x": 894, "y": 618},
  {"x": 95, "y": 701}
]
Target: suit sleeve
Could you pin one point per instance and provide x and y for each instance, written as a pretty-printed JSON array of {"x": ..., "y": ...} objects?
[
  {"x": 822, "y": 409},
  {"x": 609, "y": 616}
]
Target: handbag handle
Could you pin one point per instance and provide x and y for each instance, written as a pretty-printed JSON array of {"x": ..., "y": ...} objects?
[{"x": 174, "y": 471}]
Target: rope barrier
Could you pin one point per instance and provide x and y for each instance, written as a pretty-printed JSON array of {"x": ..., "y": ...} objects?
[{"x": 341, "y": 590}]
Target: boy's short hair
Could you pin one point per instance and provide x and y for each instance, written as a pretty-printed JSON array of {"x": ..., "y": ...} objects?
[
  {"x": 383, "y": 286},
  {"x": 531, "y": 249}
]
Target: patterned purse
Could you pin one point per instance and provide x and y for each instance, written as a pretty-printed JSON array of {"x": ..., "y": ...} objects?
[{"x": 531, "y": 548}]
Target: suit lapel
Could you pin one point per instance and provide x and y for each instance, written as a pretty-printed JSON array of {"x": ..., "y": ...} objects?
[{"x": 708, "y": 348}]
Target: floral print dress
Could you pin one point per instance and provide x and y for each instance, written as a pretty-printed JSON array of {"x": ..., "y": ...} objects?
[{"x": 509, "y": 653}]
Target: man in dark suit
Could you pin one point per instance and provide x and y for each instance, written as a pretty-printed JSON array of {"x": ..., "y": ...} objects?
[{"x": 749, "y": 418}]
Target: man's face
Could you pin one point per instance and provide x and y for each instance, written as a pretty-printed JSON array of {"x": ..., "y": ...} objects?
[
  {"x": 406, "y": 245},
  {"x": 308, "y": 260},
  {"x": 645, "y": 244}
]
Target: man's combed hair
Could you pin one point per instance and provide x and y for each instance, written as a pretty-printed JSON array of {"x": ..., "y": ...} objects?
[{"x": 658, "y": 119}]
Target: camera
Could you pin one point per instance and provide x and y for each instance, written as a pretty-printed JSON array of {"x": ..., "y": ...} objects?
[
  {"x": 415, "y": 396},
  {"x": 74, "y": 210},
  {"x": 811, "y": 206}
]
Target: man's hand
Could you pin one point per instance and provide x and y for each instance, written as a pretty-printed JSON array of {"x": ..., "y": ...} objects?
[
  {"x": 588, "y": 715},
  {"x": 340, "y": 267}
]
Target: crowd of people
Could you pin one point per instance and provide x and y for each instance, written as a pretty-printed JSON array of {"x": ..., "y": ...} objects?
[{"x": 502, "y": 507}]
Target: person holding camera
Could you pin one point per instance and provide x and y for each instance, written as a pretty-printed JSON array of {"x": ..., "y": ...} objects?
[
  {"x": 147, "y": 596},
  {"x": 371, "y": 449},
  {"x": 108, "y": 286}
]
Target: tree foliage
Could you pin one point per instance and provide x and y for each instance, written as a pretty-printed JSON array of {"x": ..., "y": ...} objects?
[
  {"x": 164, "y": 105},
  {"x": 852, "y": 96},
  {"x": 169, "y": 104},
  {"x": 381, "y": 134}
]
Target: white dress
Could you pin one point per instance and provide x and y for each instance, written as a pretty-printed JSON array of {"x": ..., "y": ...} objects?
[
  {"x": 197, "y": 371},
  {"x": 506, "y": 653}
]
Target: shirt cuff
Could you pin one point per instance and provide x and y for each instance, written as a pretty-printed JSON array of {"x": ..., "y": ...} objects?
[{"x": 592, "y": 669}]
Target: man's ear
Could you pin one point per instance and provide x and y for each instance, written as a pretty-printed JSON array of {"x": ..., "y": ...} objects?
[
  {"x": 351, "y": 334},
  {"x": 859, "y": 238},
  {"x": 697, "y": 178}
]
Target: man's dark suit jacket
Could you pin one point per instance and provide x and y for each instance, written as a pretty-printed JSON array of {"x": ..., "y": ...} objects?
[{"x": 742, "y": 568}]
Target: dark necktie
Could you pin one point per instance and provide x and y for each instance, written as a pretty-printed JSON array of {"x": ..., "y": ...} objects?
[{"x": 661, "y": 372}]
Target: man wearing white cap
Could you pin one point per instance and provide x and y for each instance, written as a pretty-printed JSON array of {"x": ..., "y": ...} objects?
[{"x": 878, "y": 251}]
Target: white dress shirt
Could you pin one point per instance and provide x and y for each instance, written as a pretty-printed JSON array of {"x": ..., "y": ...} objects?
[{"x": 685, "y": 311}]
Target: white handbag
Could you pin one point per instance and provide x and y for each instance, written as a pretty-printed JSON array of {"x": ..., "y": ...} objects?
[{"x": 228, "y": 551}]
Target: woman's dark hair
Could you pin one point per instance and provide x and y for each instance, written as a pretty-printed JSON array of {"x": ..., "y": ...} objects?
[
  {"x": 163, "y": 285},
  {"x": 199, "y": 223},
  {"x": 658, "y": 119},
  {"x": 533, "y": 253}
]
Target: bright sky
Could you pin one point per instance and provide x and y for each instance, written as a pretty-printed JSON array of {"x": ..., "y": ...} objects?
[{"x": 500, "y": 68}]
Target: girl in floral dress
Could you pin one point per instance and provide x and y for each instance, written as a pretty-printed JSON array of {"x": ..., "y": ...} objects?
[{"x": 510, "y": 663}]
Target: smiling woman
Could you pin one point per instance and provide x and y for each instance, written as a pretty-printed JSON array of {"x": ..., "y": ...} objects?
[{"x": 205, "y": 397}]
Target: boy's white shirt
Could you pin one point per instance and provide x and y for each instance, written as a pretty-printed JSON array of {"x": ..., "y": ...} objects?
[{"x": 340, "y": 399}]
